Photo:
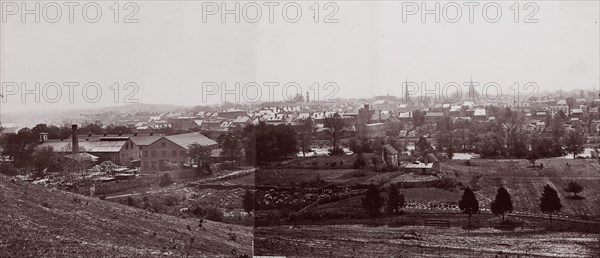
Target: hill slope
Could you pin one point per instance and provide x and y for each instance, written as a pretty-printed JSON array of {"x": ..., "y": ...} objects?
[{"x": 39, "y": 222}]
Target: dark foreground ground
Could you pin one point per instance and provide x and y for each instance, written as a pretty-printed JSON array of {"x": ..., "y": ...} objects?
[
  {"x": 37, "y": 222},
  {"x": 419, "y": 241}
]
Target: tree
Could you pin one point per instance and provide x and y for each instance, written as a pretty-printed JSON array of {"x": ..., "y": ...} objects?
[
  {"x": 545, "y": 147},
  {"x": 306, "y": 130},
  {"x": 502, "y": 203},
  {"x": 516, "y": 143},
  {"x": 550, "y": 202},
  {"x": 423, "y": 147},
  {"x": 556, "y": 125},
  {"x": 335, "y": 123},
  {"x": 19, "y": 146},
  {"x": 360, "y": 162},
  {"x": 248, "y": 201},
  {"x": 354, "y": 146},
  {"x": 200, "y": 155},
  {"x": 490, "y": 146},
  {"x": 264, "y": 142},
  {"x": 232, "y": 146},
  {"x": 418, "y": 118},
  {"x": 445, "y": 143},
  {"x": 574, "y": 141},
  {"x": 44, "y": 158},
  {"x": 372, "y": 201},
  {"x": 468, "y": 203},
  {"x": 571, "y": 102},
  {"x": 394, "y": 200},
  {"x": 574, "y": 187},
  {"x": 165, "y": 180}
]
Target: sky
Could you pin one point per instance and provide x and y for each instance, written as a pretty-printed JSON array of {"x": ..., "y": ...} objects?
[{"x": 182, "y": 53}]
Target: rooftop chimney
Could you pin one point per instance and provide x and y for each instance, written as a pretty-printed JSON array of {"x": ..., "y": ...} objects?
[{"x": 74, "y": 140}]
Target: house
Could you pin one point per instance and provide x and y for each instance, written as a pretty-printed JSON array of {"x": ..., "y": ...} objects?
[
  {"x": 432, "y": 117},
  {"x": 374, "y": 130},
  {"x": 232, "y": 113},
  {"x": 241, "y": 121},
  {"x": 479, "y": 114},
  {"x": 418, "y": 167},
  {"x": 389, "y": 155},
  {"x": 577, "y": 112},
  {"x": 118, "y": 149},
  {"x": 393, "y": 126},
  {"x": 168, "y": 151}
]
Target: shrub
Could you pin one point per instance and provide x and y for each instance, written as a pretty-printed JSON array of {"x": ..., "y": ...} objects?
[
  {"x": 446, "y": 183},
  {"x": 214, "y": 214},
  {"x": 166, "y": 180},
  {"x": 8, "y": 169},
  {"x": 170, "y": 200},
  {"x": 468, "y": 163},
  {"x": 198, "y": 211},
  {"x": 156, "y": 205},
  {"x": 131, "y": 202},
  {"x": 333, "y": 164}
]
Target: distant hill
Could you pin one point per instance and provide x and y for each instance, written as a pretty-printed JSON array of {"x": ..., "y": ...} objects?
[
  {"x": 31, "y": 118},
  {"x": 38, "y": 222}
]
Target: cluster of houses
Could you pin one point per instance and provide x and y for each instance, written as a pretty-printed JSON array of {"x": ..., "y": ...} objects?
[{"x": 380, "y": 117}]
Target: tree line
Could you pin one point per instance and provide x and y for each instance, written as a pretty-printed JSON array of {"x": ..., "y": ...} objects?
[{"x": 550, "y": 202}]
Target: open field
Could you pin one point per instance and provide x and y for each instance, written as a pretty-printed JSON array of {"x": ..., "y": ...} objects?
[
  {"x": 525, "y": 184},
  {"x": 418, "y": 241},
  {"x": 37, "y": 222}
]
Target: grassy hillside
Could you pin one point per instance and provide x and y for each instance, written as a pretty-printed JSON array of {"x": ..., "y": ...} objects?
[
  {"x": 38, "y": 222},
  {"x": 525, "y": 184}
]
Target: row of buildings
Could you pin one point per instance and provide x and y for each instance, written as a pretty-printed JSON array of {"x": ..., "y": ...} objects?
[{"x": 149, "y": 152}]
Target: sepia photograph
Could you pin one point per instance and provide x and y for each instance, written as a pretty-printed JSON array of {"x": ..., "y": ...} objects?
[{"x": 299, "y": 128}]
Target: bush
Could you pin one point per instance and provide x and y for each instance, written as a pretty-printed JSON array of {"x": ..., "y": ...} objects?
[
  {"x": 156, "y": 205},
  {"x": 468, "y": 163},
  {"x": 198, "y": 211},
  {"x": 170, "y": 200},
  {"x": 446, "y": 183},
  {"x": 166, "y": 180},
  {"x": 214, "y": 214},
  {"x": 131, "y": 202},
  {"x": 8, "y": 169}
]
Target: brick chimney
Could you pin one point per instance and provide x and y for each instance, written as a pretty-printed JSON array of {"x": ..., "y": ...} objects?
[{"x": 74, "y": 140}]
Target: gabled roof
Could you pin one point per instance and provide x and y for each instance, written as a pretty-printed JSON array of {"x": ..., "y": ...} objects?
[
  {"x": 186, "y": 139},
  {"x": 145, "y": 140},
  {"x": 434, "y": 114},
  {"x": 432, "y": 158},
  {"x": 241, "y": 119},
  {"x": 577, "y": 110},
  {"x": 390, "y": 150},
  {"x": 479, "y": 112}
]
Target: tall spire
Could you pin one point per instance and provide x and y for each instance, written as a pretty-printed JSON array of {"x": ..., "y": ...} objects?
[{"x": 471, "y": 90}]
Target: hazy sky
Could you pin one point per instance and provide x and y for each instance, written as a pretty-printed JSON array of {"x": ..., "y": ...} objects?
[{"x": 170, "y": 51}]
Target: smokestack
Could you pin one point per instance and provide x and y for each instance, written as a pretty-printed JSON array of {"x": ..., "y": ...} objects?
[{"x": 74, "y": 140}]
